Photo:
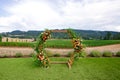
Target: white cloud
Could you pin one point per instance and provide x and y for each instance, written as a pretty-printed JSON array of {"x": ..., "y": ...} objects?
[
  {"x": 92, "y": 11},
  {"x": 117, "y": 28},
  {"x": 83, "y": 14}
]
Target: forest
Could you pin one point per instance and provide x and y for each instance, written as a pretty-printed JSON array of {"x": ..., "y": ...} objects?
[{"x": 84, "y": 34}]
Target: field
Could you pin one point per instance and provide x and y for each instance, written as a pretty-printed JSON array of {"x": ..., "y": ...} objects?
[
  {"x": 83, "y": 69},
  {"x": 88, "y": 43},
  {"x": 62, "y": 43},
  {"x": 16, "y": 44}
]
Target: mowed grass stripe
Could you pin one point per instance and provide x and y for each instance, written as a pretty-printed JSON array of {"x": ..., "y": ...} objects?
[{"x": 82, "y": 69}]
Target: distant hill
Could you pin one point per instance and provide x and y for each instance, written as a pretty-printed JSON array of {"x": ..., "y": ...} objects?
[{"x": 85, "y": 34}]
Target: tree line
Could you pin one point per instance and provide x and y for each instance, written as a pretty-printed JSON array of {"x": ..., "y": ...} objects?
[{"x": 84, "y": 34}]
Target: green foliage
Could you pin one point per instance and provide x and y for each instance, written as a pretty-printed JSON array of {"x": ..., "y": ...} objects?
[
  {"x": 83, "y": 54},
  {"x": 108, "y": 36},
  {"x": 41, "y": 56},
  {"x": 18, "y": 54},
  {"x": 72, "y": 33},
  {"x": 39, "y": 42},
  {"x": 76, "y": 55},
  {"x": 31, "y": 54},
  {"x": 58, "y": 35},
  {"x": 116, "y": 36},
  {"x": 37, "y": 62},
  {"x": 107, "y": 54},
  {"x": 118, "y": 54},
  {"x": 95, "y": 53}
]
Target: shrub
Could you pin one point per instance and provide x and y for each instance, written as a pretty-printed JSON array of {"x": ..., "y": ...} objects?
[
  {"x": 1, "y": 55},
  {"x": 83, "y": 54},
  {"x": 18, "y": 55},
  {"x": 37, "y": 62},
  {"x": 4, "y": 56},
  {"x": 118, "y": 54},
  {"x": 56, "y": 55},
  {"x": 69, "y": 54},
  {"x": 76, "y": 55},
  {"x": 95, "y": 54},
  {"x": 31, "y": 54},
  {"x": 107, "y": 54},
  {"x": 34, "y": 56}
]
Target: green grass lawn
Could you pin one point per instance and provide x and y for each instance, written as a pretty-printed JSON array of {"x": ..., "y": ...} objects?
[{"x": 83, "y": 69}]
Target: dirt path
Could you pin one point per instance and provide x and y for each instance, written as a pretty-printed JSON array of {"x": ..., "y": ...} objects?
[
  {"x": 26, "y": 51},
  {"x": 113, "y": 48},
  {"x": 13, "y": 50}
]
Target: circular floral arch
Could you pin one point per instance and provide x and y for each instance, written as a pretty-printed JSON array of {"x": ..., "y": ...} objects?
[{"x": 40, "y": 47}]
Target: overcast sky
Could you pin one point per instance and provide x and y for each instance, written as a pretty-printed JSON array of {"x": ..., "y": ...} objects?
[{"x": 58, "y": 14}]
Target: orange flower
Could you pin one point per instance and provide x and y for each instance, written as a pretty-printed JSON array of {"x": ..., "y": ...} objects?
[{"x": 41, "y": 57}]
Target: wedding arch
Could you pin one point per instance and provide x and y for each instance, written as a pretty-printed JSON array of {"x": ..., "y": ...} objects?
[{"x": 40, "y": 47}]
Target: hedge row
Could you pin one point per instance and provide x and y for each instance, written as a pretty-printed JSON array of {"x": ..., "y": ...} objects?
[{"x": 104, "y": 54}]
